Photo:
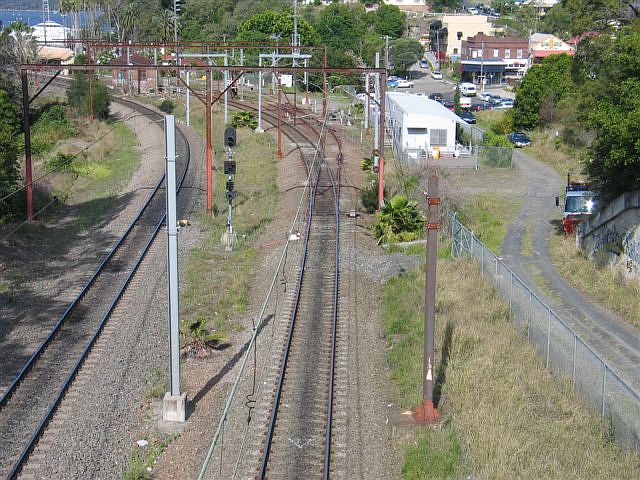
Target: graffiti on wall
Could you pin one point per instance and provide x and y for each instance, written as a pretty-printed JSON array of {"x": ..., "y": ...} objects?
[{"x": 610, "y": 240}]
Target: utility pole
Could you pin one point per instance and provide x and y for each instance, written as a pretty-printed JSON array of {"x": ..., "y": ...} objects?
[
  {"x": 386, "y": 51},
  {"x": 427, "y": 412},
  {"x": 482, "y": 68},
  {"x": 174, "y": 402}
]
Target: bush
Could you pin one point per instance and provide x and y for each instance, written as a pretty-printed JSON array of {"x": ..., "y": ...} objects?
[
  {"x": 167, "y": 106},
  {"x": 399, "y": 220},
  {"x": 369, "y": 197},
  {"x": 61, "y": 162},
  {"x": 366, "y": 164},
  {"x": 244, "y": 119}
]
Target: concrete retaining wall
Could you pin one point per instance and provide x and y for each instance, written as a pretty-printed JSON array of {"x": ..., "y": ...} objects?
[{"x": 613, "y": 234}]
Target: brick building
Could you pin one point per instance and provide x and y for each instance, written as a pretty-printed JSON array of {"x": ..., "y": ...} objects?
[{"x": 496, "y": 59}]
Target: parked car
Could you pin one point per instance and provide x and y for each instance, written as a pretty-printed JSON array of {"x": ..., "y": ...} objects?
[
  {"x": 436, "y": 96},
  {"x": 392, "y": 83},
  {"x": 505, "y": 103},
  {"x": 435, "y": 74},
  {"x": 479, "y": 107},
  {"x": 519, "y": 139},
  {"x": 424, "y": 64},
  {"x": 449, "y": 105},
  {"x": 468, "y": 117},
  {"x": 495, "y": 100},
  {"x": 402, "y": 83},
  {"x": 484, "y": 96},
  {"x": 473, "y": 11}
]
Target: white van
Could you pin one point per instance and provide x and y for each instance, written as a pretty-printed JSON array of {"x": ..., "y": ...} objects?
[
  {"x": 468, "y": 89},
  {"x": 465, "y": 102}
]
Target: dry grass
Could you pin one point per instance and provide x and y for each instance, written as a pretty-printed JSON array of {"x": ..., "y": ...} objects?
[
  {"x": 562, "y": 159},
  {"x": 510, "y": 417},
  {"x": 603, "y": 284}
]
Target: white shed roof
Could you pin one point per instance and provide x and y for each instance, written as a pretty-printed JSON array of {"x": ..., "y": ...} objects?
[{"x": 420, "y": 105}]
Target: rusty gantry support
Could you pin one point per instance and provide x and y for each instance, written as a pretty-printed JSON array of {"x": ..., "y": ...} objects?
[
  {"x": 381, "y": 121},
  {"x": 27, "y": 143},
  {"x": 427, "y": 412},
  {"x": 209, "y": 147}
]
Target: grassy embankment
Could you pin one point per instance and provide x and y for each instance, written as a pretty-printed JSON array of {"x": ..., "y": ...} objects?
[
  {"x": 505, "y": 415},
  {"x": 600, "y": 282},
  {"x": 85, "y": 173}
]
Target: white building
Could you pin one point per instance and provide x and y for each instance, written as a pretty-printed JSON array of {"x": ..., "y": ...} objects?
[{"x": 419, "y": 127}]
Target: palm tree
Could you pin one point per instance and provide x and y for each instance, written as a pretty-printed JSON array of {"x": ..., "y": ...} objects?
[
  {"x": 165, "y": 21},
  {"x": 129, "y": 18}
]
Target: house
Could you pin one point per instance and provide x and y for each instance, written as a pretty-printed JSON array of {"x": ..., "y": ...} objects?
[
  {"x": 544, "y": 44},
  {"x": 139, "y": 79},
  {"x": 417, "y": 125},
  {"x": 459, "y": 27},
  {"x": 494, "y": 60},
  {"x": 55, "y": 55}
]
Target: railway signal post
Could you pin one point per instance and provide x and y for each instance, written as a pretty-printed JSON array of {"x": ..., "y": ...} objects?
[{"x": 229, "y": 237}]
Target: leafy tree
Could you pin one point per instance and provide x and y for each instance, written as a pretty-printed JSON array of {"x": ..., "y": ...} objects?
[
  {"x": 78, "y": 96},
  {"x": 611, "y": 108},
  {"x": 548, "y": 82},
  {"x": 404, "y": 53},
  {"x": 9, "y": 150},
  {"x": 271, "y": 24},
  {"x": 389, "y": 20}
]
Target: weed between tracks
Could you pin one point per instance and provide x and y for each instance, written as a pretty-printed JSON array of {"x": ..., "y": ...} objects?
[{"x": 506, "y": 416}]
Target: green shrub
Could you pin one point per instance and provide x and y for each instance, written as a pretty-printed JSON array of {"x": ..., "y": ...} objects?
[
  {"x": 369, "y": 197},
  {"x": 398, "y": 220},
  {"x": 62, "y": 162},
  {"x": 244, "y": 119},
  {"x": 366, "y": 164},
  {"x": 167, "y": 106}
]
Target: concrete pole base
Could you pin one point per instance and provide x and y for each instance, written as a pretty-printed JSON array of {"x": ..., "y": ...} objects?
[
  {"x": 259, "y": 130},
  {"x": 229, "y": 240},
  {"x": 174, "y": 407}
]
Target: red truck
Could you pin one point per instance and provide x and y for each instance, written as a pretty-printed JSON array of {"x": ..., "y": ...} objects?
[{"x": 579, "y": 203}]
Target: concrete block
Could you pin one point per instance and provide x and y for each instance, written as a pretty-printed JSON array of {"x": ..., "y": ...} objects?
[{"x": 174, "y": 407}]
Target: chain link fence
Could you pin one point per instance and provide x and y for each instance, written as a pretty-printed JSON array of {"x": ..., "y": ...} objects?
[{"x": 562, "y": 349}]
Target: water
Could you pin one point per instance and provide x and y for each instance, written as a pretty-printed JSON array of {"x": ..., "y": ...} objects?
[{"x": 32, "y": 17}]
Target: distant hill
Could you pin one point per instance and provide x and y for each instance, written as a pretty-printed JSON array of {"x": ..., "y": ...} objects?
[{"x": 26, "y": 4}]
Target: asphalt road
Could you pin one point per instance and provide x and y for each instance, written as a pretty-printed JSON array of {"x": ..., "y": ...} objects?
[{"x": 614, "y": 339}]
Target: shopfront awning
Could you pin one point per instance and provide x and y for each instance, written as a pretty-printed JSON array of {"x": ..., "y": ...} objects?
[{"x": 486, "y": 68}]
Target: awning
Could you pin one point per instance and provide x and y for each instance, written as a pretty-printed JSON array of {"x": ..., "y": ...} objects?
[{"x": 486, "y": 68}]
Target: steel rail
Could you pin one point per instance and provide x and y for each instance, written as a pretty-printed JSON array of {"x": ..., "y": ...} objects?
[
  {"x": 58, "y": 398},
  {"x": 243, "y": 363},
  {"x": 283, "y": 367},
  {"x": 279, "y": 388}
]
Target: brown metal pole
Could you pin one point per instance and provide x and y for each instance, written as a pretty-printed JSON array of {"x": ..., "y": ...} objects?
[
  {"x": 27, "y": 143},
  {"x": 324, "y": 85},
  {"x": 209, "y": 147},
  {"x": 433, "y": 216},
  {"x": 383, "y": 84},
  {"x": 279, "y": 87}
]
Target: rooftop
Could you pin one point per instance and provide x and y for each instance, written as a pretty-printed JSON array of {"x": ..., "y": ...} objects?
[{"x": 421, "y": 105}]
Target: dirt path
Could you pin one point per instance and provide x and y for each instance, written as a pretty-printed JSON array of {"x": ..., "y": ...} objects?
[{"x": 614, "y": 339}]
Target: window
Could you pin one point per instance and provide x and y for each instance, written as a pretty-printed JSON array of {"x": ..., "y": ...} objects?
[
  {"x": 438, "y": 137},
  {"x": 496, "y": 52},
  {"x": 474, "y": 54},
  {"x": 459, "y": 34},
  {"x": 455, "y": 51},
  {"x": 519, "y": 53},
  {"x": 507, "y": 53},
  {"x": 416, "y": 131}
]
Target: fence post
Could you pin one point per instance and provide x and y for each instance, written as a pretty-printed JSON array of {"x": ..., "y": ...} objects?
[
  {"x": 548, "y": 334},
  {"x": 573, "y": 373},
  {"x": 510, "y": 293},
  {"x": 604, "y": 388},
  {"x": 530, "y": 315},
  {"x": 481, "y": 258}
]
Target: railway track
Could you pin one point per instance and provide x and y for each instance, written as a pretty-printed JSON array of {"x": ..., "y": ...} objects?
[
  {"x": 30, "y": 401},
  {"x": 296, "y": 439}
]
